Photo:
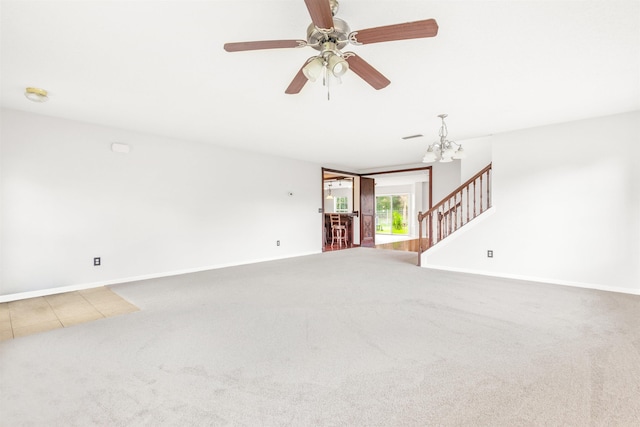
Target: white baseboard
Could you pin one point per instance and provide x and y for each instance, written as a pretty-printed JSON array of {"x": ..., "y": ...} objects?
[
  {"x": 538, "y": 279},
  {"x": 82, "y": 286}
]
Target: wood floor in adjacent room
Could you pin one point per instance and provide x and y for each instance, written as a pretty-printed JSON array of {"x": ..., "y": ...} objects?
[
  {"x": 408, "y": 245},
  {"x": 403, "y": 245}
]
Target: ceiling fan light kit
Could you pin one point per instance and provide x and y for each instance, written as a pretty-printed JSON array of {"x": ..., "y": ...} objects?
[
  {"x": 313, "y": 69},
  {"x": 337, "y": 65},
  {"x": 443, "y": 150},
  {"x": 329, "y": 35},
  {"x": 330, "y": 59}
]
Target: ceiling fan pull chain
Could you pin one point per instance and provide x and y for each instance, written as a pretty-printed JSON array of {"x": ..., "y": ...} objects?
[{"x": 324, "y": 75}]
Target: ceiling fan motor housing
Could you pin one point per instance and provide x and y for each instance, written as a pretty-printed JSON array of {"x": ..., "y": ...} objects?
[{"x": 339, "y": 35}]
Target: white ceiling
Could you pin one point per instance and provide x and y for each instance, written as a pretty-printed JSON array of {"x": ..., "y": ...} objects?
[{"x": 159, "y": 67}]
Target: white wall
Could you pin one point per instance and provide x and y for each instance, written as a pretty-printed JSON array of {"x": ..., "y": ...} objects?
[
  {"x": 478, "y": 155},
  {"x": 168, "y": 206},
  {"x": 421, "y": 203},
  {"x": 1, "y": 202},
  {"x": 446, "y": 178},
  {"x": 567, "y": 208}
]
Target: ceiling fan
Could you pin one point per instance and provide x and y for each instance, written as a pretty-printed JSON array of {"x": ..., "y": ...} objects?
[{"x": 329, "y": 35}]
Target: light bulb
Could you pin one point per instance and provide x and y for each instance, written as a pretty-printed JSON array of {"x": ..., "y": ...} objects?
[
  {"x": 460, "y": 154},
  {"x": 338, "y": 65},
  {"x": 429, "y": 156}
]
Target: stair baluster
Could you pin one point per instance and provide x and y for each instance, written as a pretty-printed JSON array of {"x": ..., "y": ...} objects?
[{"x": 443, "y": 219}]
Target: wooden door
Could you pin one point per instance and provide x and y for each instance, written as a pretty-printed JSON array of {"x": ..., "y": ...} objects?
[{"x": 367, "y": 212}]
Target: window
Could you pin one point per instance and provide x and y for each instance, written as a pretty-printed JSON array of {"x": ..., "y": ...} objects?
[
  {"x": 392, "y": 213},
  {"x": 341, "y": 204}
]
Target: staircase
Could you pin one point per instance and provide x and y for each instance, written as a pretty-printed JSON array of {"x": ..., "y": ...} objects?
[{"x": 461, "y": 206}]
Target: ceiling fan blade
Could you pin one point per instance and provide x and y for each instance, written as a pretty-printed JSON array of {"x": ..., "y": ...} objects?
[
  {"x": 366, "y": 71},
  {"x": 320, "y": 12},
  {"x": 408, "y": 30},
  {"x": 297, "y": 83},
  {"x": 264, "y": 44}
]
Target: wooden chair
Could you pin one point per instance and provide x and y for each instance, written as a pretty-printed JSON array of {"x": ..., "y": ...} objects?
[{"x": 338, "y": 230}]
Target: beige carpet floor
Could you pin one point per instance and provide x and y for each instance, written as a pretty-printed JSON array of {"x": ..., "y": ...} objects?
[{"x": 358, "y": 337}]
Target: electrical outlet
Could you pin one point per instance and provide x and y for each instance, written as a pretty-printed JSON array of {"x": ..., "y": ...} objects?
[
  {"x": 96, "y": 261},
  {"x": 489, "y": 253},
  {"x": 278, "y": 243}
]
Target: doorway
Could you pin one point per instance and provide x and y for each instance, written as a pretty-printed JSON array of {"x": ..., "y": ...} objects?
[
  {"x": 408, "y": 191},
  {"x": 400, "y": 195},
  {"x": 340, "y": 200}
]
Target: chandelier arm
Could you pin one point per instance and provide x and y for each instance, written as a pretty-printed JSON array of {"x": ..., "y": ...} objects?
[{"x": 447, "y": 141}]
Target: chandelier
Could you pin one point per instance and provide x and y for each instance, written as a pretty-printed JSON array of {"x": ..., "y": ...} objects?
[{"x": 443, "y": 150}]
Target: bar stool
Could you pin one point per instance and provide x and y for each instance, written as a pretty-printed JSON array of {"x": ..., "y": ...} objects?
[{"x": 338, "y": 230}]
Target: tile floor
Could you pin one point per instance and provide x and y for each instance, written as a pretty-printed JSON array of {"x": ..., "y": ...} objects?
[{"x": 33, "y": 315}]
